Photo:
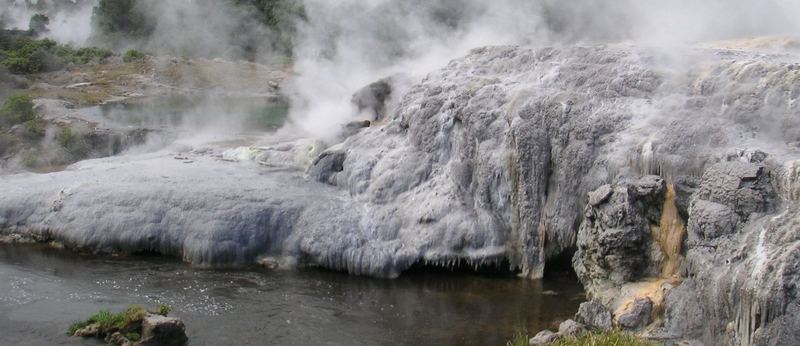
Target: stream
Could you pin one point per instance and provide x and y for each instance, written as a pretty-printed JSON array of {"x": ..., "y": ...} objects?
[{"x": 43, "y": 290}]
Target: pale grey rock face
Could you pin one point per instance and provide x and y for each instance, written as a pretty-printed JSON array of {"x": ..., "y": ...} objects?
[{"x": 742, "y": 265}]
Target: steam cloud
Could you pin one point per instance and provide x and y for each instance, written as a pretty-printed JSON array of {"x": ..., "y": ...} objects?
[{"x": 346, "y": 44}]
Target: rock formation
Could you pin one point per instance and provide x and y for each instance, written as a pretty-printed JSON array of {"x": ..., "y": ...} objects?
[{"x": 674, "y": 183}]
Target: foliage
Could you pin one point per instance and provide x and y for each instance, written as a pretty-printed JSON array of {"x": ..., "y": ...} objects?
[
  {"x": 36, "y": 127},
  {"x": 17, "y": 109},
  {"x": 121, "y": 18},
  {"x": 279, "y": 16},
  {"x": 133, "y": 55},
  {"x": 65, "y": 137},
  {"x": 520, "y": 338},
  {"x": 23, "y": 54},
  {"x": 38, "y": 23},
  {"x": 110, "y": 322}
]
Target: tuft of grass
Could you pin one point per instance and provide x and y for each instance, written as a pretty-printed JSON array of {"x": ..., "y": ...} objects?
[
  {"x": 521, "y": 338},
  {"x": 613, "y": 337},
  {"x": 76, "y": 327},
  {"x": 135, "y": 313},
  {"x": 164, "y": 309}
]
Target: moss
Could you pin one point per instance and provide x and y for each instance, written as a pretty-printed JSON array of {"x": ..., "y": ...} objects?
[{"x": 135, "y": 313}]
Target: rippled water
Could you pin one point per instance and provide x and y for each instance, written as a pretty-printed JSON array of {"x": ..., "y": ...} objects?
[{"x": 43, "y": 290}]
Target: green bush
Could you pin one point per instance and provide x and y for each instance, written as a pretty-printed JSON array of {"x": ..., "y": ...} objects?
[
  {"x": 24, "y": 55},
  {"x": 133, "y": 55},
  {"x": 36, "y": 127},
  {"x": 38, "y": 23},
  {"x": 17, "y": 109},
  {"x": 65, "y": 137}
]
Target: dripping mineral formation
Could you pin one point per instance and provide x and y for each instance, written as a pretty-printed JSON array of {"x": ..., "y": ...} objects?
[{"x": 674, "y": 183}]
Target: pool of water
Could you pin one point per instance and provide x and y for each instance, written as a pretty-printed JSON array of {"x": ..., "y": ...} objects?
[
  {"x": 246, "y": 114},
  {"x": 43, "y": 290}
]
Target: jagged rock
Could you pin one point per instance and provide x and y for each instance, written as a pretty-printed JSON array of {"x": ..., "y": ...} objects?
[
  {"x": 638, "y": 316},
  {"x": 159, "y": 330},
  {"x": 571, "y": 328},
  {"x": 614, "y": 242},
  {"x": 594, "y": 314},
  {"x": 373, "y": 98},
  {"x": 91, "y": 330},
  {"x": 544, "y": 337},
  {"x": 742, "y": 265},
  {"x": 327, "y": 165},
  {"x": 117, "y": 339}
]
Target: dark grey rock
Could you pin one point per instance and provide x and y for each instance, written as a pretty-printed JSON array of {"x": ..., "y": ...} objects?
[
  {"x": 373, "y": 98},
  {"x": 544, "y": 337},
  {"x": 638, "y": 316},
  {"x": 163, "y": 331},
  {"x": 571, "y": 328},
  {"x": 594, "y": 314},
  {"x": 614, "y": 243}
]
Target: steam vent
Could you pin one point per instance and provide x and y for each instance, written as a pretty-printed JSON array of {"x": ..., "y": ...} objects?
[{"x": 389, "y": 172}]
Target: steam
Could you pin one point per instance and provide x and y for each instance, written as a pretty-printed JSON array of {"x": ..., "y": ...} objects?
[{"x": 346, "y": 44}]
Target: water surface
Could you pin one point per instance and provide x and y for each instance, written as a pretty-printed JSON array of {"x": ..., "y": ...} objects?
[{"x": 43, "y": 290}]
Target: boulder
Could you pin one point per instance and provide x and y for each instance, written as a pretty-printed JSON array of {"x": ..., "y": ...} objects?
[
  {"x": 544, "y": 337},
  {"x": 639, "y": 315},
  {"x": 594, "y": 314},
  {"x": 160, "y": 330},
  {"x": 571, "y": 328}
]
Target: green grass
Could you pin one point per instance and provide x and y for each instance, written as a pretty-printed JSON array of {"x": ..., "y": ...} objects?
[
  {"x": 110, "y": 322},
  {"x": 164, "y": 309},
  {"x": 521, "y": 338},
  {"x": 613, "y": 337}
]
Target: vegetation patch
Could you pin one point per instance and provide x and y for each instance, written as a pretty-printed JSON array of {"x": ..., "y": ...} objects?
[
  {"x": 127, "y": 324},
  {"x": 23, "y": 54},
  {"x": 16, "y": 110},
  {"x": 133, "y": 55},
  {"x": 614, "y": 337}
]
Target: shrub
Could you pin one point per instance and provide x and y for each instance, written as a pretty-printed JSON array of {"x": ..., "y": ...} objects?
[
  {"x": 65, "y": 137},
  {"x": 38, "y": 23},
  {"x": 17, "y": 109},
  {"x": 133, "y": 55},
  {"x": 36, "y": 127}
]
